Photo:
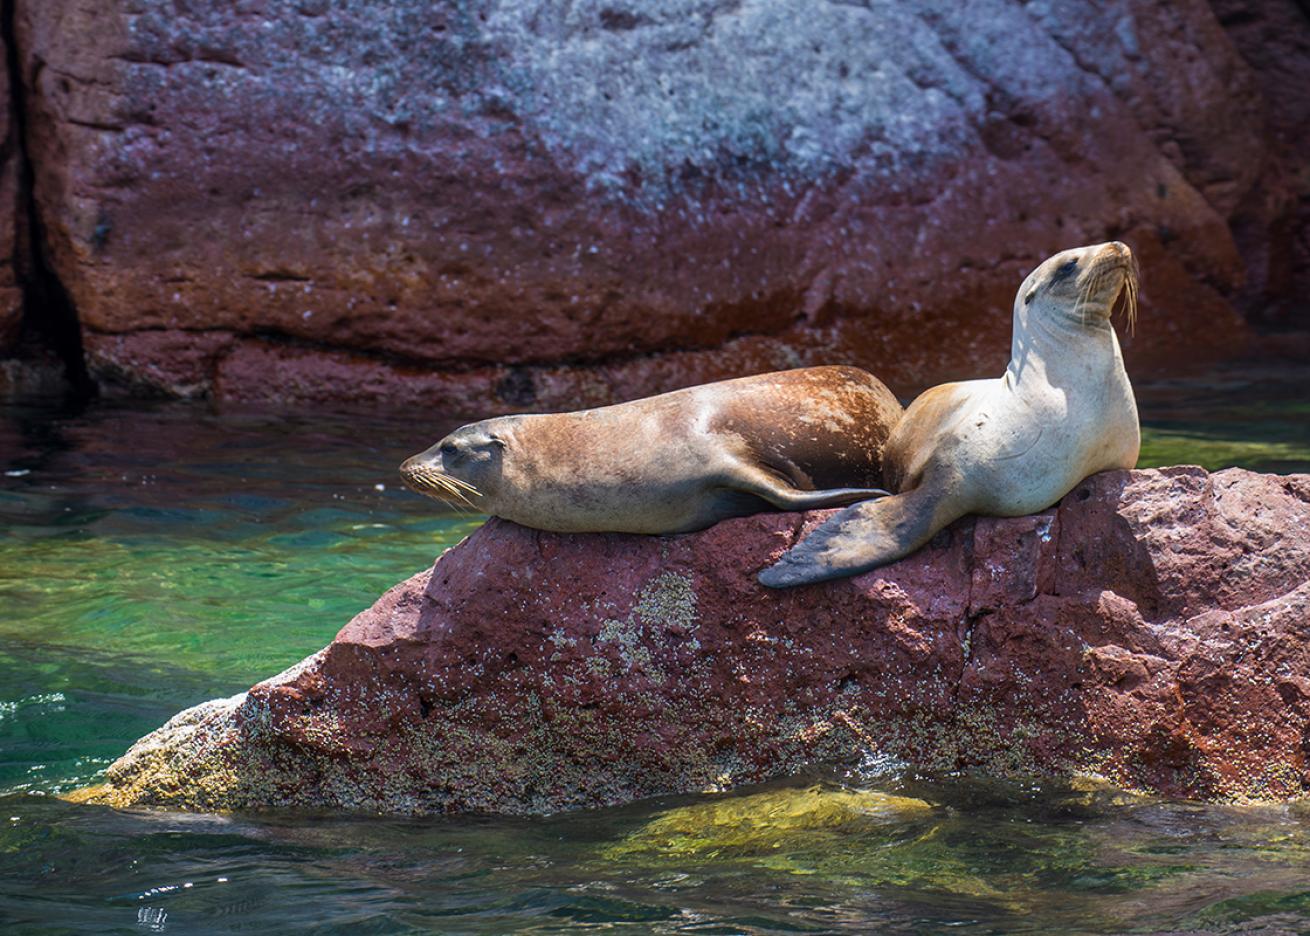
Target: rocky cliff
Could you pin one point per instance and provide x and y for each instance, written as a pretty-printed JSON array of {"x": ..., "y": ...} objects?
[{"x": 506, "y": 205}]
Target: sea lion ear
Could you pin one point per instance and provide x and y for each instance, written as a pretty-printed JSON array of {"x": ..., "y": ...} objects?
[
  {"x": 1028, "y": 298},
  {"x": 497, "y": 442}
]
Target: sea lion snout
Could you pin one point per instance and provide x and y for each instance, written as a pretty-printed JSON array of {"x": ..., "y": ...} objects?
[
  {"x": 424, "y": 474},
  {"x": 1116, "y": 252},
  {"x": 410, "y": 466},
  {"x": 1112, "y": 282},
  {"x": 455, "y": 470},
  {"x": 413, "y": 470}
]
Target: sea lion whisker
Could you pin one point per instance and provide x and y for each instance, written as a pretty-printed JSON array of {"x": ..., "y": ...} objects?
[
  {"x": 463, "y": 509},
  {"x": 436, "y": 491},
  {"x": 448, "y": 483},
  {"x": 1130, "y": 306},
  {"x": 440, "y": 488},
  {"x": 461, "y": 483},
  {"x": 1094, "y": 285},
  {"x": 445, "y": 481},
  {"x": 429, "y": 482},
  {"x": 465, "y": 501},
  {"x": 1085, "y": 296},
  {"x": 1106, "y": 274},
  {"x": 1128, "y": 294}
]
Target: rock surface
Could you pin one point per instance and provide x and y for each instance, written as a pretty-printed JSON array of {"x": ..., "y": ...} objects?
[
  {"x": 1153, "y": 629},
  {"x": 510, "y": 205},
  {"x": 13, "y": 217},
  {"x": 1273, "y": 228}
]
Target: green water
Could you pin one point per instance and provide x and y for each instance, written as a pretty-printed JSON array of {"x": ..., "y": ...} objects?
[{"x": 153, "y": 556}]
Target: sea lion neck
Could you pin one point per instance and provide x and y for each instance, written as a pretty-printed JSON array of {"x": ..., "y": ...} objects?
[{"x": 1052, "y": 344}]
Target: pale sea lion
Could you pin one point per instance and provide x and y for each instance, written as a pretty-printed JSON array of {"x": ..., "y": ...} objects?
[
  {"x": 680, "y": 461},
  {"x": 1063, "y": 410}
]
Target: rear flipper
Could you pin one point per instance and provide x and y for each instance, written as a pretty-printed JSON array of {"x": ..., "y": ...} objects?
[
  {"x": 784, "y": 496},
  {"x": 816, "y": 500},
  {"x": 860, "y": 538}
]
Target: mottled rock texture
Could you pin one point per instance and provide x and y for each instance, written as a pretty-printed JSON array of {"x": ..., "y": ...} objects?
[
  {"x": 1154, "y": 629},
  {"x": 13, "y": 217},
  {"x": 535, "y": 204},
  {"x": 1272, "y": 228}
]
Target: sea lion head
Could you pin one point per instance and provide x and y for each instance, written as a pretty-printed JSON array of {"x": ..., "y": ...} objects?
[
  {"x": 464, "y": 468},
  {"x": 1083, "y": 285}
]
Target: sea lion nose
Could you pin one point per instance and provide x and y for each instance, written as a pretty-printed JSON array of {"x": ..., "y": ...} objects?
[
  {"x": 408, "y": 465},
  {"x": 1120, "y": 248}
]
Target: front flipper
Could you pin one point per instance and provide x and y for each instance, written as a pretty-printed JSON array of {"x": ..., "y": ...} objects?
[{"x": 860, "y": 538}]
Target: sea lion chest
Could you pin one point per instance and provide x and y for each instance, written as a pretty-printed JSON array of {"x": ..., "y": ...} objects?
[{"x": 1038, "y": 438}]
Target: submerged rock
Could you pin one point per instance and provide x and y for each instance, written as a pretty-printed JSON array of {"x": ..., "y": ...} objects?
[
  {"x": 761, "y": 823},
  {"x": 1153, "y": 629}
]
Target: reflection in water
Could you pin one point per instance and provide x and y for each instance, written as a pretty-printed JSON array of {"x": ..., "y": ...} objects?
[{"x": 152, "y": 557}]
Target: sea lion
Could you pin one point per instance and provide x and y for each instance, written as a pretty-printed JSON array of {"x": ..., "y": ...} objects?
[
  {"x": 680, "y": 461},
  {"x": 1063, "y": 410}
]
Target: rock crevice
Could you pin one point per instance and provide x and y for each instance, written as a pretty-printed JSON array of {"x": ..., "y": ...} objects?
[{"x": 34, "y": 305}]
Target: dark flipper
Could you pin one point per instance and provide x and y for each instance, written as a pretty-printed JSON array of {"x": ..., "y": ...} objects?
[
  {"x": 816, "y": 500},
  {"x": 860, "y": 538},
  {"x": 784, "y": 496}
]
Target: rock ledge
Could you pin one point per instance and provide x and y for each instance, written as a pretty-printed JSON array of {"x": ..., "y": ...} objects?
[{"x": 1154, "y": 629}]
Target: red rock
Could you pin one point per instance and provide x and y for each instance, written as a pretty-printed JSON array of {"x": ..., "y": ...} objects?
[
  {"x": 505, "y": 208},
  {"x": 12, "y": 217},
  {"x": 1272, "y": 227},
  {"x": 1153, "y": 629}
]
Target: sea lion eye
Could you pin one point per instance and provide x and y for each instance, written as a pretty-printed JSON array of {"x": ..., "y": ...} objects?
[
  {"x": 448, "y": 448},
  {"x": 1065, "y": 271}
]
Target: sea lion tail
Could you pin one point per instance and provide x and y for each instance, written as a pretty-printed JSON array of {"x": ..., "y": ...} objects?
[{"x": 861, "y": 537}]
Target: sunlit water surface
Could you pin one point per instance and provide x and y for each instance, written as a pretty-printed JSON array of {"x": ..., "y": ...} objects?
[{"x": 153, "y": 556}]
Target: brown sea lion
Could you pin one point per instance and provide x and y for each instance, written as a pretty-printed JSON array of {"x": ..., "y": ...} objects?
[
  {"x": 680, "y": 461},
  {"x": 1015, "y": 445}
]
